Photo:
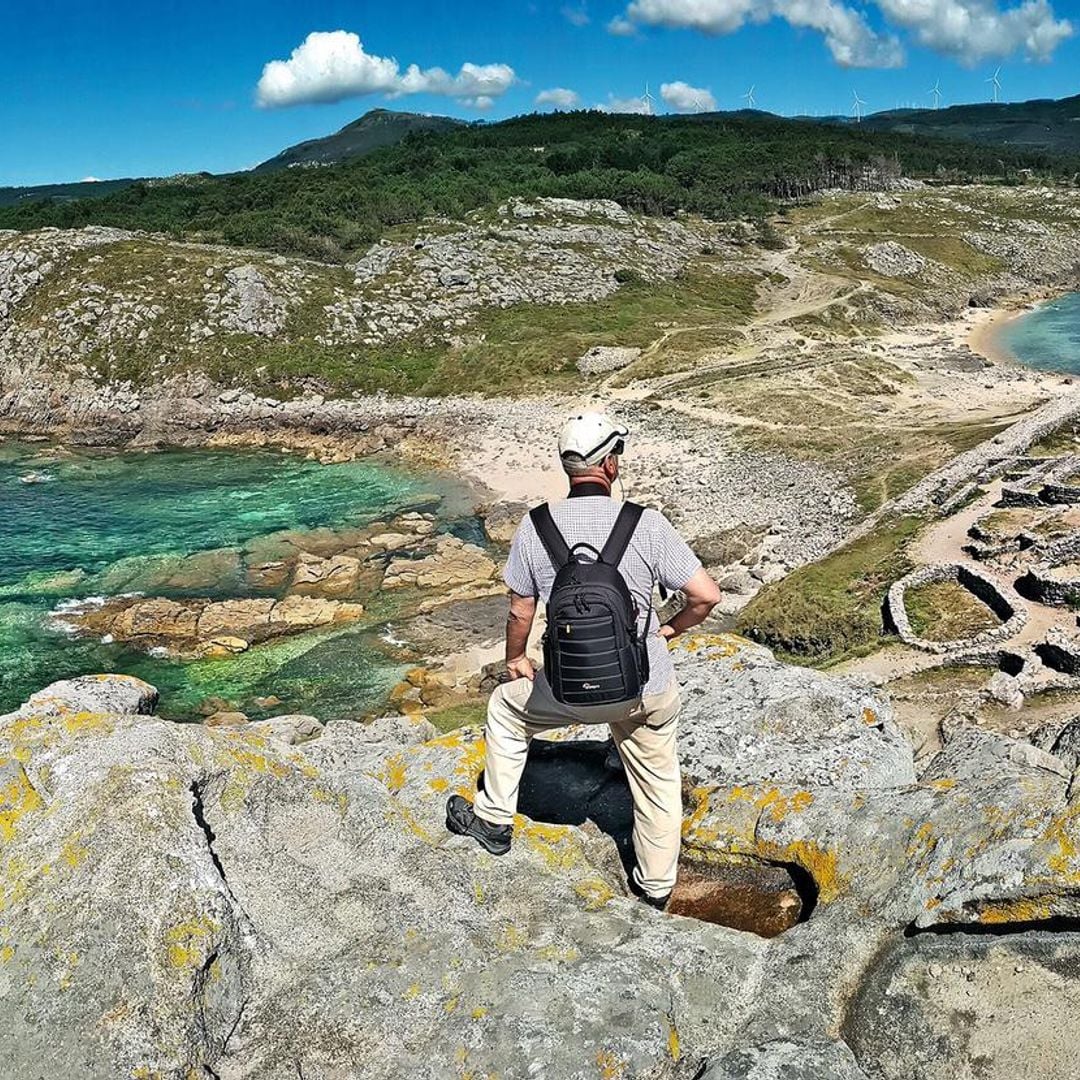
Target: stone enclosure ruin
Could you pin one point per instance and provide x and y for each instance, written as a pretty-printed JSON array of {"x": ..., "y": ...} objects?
[{"x": 1002, "y": 601}]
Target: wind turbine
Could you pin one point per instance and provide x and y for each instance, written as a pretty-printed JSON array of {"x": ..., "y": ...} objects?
[
  {"x": 748, "y": 97},
  {"x": 647, "y": 100},
  {"x": 936, "y": 91},
  {"x": 997, "y": 84},
  {"x": 857, "y": 108}
]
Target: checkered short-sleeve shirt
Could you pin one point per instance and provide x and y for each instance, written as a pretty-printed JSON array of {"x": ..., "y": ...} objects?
[{"x": 657, "y": 554}]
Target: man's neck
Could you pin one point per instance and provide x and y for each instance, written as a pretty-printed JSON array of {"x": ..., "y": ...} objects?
[{"x": 588, "y": 486}]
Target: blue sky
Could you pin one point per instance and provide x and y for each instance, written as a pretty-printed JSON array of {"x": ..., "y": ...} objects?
[{"x": 110, "y": 88}]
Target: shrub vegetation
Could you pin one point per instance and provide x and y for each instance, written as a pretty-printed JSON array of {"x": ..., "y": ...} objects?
[{"x": 721, "y": 166}]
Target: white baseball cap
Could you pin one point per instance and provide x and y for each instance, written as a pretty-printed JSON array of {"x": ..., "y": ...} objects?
[{"x": 590, "y": 437}]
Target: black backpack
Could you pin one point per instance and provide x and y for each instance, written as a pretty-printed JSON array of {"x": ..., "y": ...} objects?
[{"x": 593, "y": 653}]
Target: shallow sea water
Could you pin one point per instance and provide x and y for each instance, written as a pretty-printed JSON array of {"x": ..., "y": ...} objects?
[
  {"x": 1047, "y": 338},
  {"x": 75, "y": 525}
]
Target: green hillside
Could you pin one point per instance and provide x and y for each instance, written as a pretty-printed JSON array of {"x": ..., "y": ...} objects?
[
  {"x": 1042, "y": 125},
  {"x": 720, "y": 166},
  {"x": 84, "y": 189},
  {"x": 374, "y": 130}
]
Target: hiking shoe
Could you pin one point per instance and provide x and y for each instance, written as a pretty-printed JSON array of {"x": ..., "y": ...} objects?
[
  {"x": 461, "y": 819},
  {"x": 658, "y": 902},
  {"x": 613, "y": 762}
]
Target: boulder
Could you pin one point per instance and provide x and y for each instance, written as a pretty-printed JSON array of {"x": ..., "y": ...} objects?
[
  {"x": 296, "y": 613},
  {"x": 453, "y": 562},
  {"x": 93, "y": 694},
  {"x": 246, "y": 619},
  {"x": 336, "y": 576},
  {"x": 206, "y": 628},
  {"x": 226, "y": 719},
  {"x": 291, "y": 730},
  {"x": 603, "y": 358},
  {"x": 501, "y": 520},
  {"x": 1005, "y": 689},
  {"x": 747, "y": 718}
]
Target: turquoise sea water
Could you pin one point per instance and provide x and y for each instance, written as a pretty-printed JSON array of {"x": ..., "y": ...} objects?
[
  {"x": 1048, "y": 337},
  {"x": 89, "y": 523}
]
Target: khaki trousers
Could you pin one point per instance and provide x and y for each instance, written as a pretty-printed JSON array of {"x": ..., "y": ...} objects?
[{"x": 644, "y": 732}]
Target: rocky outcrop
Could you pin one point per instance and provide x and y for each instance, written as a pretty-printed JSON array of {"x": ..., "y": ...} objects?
[
  {"x": 891, "y": 259},
  {"x": 452, "y": 563},
  {"x": 549, "y": 251},
  {"x": 194, "y": 628},
  {"x": 601, "y": 359},
  {"x": 186, "y": 900}
]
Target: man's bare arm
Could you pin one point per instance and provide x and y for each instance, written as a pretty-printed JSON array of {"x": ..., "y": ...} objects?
[
  {"x": 518, "y": 626},
  {"x": 702, "y": 595}
]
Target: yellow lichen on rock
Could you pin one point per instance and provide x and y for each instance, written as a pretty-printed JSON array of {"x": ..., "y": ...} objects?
[
  {"x": 73, "y": 853},
  {"x": 822, "y": 864},
  {"x": 187, "y": 943},
  {"x": 610, "y": 1065},
  {"x": 673, "y": 1043},
  {"x": 1022, "y": 909},
  {"x": 773, "y": 800},
  {"x": 555, "y": 844},
  {"x": 595, "y": 893},
  {"x": 17, "y": 798},
  {"x": 88, "y": 723},
  {"x": 1062, "y": 831},
  {"x": 715, "y": 646},
  {"x": 392, "y": 774}
]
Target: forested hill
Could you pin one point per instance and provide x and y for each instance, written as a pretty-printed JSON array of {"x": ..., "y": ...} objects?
[
  {"x": 374, "y": 130},
  {"x": 718, "y": 165},
  {"x": 1042, "y": 125}
]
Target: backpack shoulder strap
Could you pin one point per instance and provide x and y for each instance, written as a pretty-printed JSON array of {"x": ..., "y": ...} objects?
[
  {"x": 621, "y": 533},
  {"x": 550, "y": 537}
]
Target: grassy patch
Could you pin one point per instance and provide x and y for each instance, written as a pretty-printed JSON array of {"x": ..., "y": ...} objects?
[
  {"x": 943, "y": 680},
  {"x": 1062, "y": 441},
  {"x": 463, "y": 714},
  {"x": 520, "y": 345},
  {"x": 831, "y": 609},
  {"x": 946, "y": 611},
  {"x": 520, "y": 348}
]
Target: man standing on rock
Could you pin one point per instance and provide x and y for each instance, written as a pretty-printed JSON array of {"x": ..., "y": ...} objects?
[{"x": 594, "y": 563}]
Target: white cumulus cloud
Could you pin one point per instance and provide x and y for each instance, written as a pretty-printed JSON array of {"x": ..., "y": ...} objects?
[
  {"x": 620, "y": 26},
  {"x": 684, "y": 98},
  {"x": 850, "y": 38},
  {"x": 974, "y": 30},
  {"x": 332, "y": 65},
  {"x": 967, "y": 30},
  {"x": 560, "y": 97}
]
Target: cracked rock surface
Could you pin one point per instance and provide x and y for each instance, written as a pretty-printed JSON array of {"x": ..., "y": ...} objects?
[{"x": 181, "y": 900}]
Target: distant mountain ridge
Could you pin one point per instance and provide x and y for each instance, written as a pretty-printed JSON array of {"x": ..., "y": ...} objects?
[
  {"x": 82, "y": 189},
  {"x": 375, "y": 129},
  {"x": 1042, "y": 124}
]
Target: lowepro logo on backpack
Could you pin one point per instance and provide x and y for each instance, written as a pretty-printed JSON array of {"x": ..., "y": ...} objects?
[{"x": 593, "y": 652}]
